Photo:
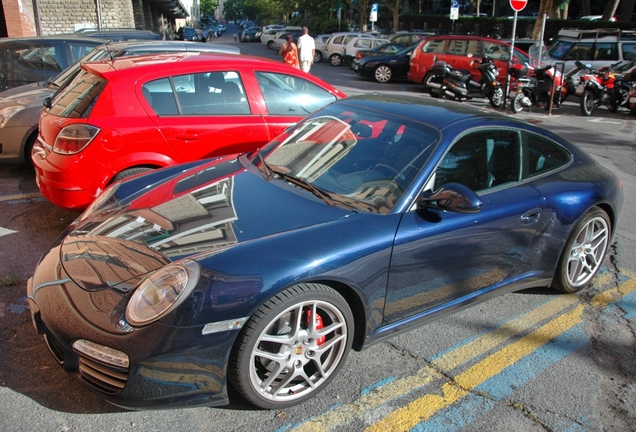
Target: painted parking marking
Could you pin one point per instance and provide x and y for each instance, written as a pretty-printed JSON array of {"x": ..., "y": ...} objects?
[
  {"x": 559, "y": 325},
  {"x": 20, "y": 196},
  {"x": 6, "y": 231}
]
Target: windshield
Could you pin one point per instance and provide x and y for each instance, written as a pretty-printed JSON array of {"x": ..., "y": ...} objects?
[{"x": 364, "y": 159}]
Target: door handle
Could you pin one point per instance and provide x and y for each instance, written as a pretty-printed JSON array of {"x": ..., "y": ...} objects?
[
  {"x": 187, "y": 136},
  {"x": 531, "y": 216}
]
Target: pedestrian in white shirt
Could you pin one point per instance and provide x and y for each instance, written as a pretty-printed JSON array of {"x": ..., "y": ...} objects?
[{"x": 307, "y": 50}]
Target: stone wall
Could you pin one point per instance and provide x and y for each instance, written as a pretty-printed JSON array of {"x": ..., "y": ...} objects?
[{"x": 62, "y": 16}]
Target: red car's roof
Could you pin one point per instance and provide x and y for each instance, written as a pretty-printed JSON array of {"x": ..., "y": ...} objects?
[{"x": 176, "y": 60}]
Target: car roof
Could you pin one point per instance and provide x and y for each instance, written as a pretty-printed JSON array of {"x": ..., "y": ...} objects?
[
  {"x": 137, "y": 64},
  {"x": 167, "y": 46},
  {"x": 51, "y": 38}
]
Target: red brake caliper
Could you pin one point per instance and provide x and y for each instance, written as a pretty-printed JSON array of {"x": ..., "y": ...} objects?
[{"x": 321, "y": 340}]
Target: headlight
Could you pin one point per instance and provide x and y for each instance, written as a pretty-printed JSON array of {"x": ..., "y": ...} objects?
[
  {"x": 8, "y": 112},
  {"x": 161, "y": 292}
]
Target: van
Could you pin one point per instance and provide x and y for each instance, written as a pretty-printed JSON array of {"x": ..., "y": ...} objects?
[
  {"x": 600, "y": 47},
  {"x": 334, "y": 49},
  {"x": 458, "y": 51}
]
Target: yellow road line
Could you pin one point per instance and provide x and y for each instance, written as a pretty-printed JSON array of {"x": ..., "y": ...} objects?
[{"x": 452, "y": 359}]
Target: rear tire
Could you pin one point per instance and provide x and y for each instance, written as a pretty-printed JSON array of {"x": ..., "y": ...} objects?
[
  {"x": 317, "y": 57},
  {"x": 129, "y": 173},
  {"x": 584, "y": 252},
  {"x": 427, "y": 78},
  {"x": 335, "y": 59}
]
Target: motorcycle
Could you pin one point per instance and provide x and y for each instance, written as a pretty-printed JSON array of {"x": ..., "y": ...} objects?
[
  {"x": 456, "y": 84},
  {"x": 533, "y": 86},
  {"x": 601, "y": 87}
]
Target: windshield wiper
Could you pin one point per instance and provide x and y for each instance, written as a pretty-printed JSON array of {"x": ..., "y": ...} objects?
[
  {"x": 303, "y": 184},
  {"x": 265, "y": 169}
]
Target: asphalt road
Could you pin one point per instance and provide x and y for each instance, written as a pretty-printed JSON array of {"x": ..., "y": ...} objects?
[{"x": 534, "y": 360}]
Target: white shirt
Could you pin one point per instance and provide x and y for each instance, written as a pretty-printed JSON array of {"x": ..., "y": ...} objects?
[{"x": 306, "y": 47}]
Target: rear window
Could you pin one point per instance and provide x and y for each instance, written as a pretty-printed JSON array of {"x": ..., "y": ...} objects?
[{"x": 78, "y": 97}]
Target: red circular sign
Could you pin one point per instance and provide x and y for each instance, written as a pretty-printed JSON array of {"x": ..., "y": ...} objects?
[{"x": 518, "y": 5}]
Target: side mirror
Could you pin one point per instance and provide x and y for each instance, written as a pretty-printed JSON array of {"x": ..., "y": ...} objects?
[
  {"x": 47, "y": 102},
  {"x": 453, "y": 197}
]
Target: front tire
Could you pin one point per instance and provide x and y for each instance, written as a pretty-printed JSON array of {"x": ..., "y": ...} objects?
[
  {"x": 427, "y": 79},
  {"x": 496, "y": 97},
  {"x": 587, "y": 103},
  {"x": 335, "y": 59},
  {"x": 284, "y": 354},
  {"x": 517, "y": 106},
  {"x": 584, "y": 252},
  {"x": 382, "y": 74},
  {"x": 270, "y": 44}
]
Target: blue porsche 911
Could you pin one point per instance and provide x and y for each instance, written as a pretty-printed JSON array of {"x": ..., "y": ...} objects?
[{"x": 373, "y": 216}]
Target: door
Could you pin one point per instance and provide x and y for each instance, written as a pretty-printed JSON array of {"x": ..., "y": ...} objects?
[
  {"x": 206, "y": 114},
  {"x": 440, "y": 257}
]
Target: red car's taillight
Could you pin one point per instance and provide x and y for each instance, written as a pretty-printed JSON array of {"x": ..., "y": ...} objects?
[{"x": 72, "y": 139}]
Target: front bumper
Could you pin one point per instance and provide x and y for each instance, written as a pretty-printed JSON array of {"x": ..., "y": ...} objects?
[{"x": 167, "y": 365}]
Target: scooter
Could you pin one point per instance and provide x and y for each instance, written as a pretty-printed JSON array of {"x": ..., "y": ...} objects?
[
  {"x": 533, "y": 86},
  {"x": 455, "y": 84},
  {"x": 601, "y": 87}
]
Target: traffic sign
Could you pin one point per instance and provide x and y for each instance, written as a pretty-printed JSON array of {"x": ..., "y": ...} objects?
[
  {"x": 373, "y": 16},
  {"x": 518, "y": 5}
]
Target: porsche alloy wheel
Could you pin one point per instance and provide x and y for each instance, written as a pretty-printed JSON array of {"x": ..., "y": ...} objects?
[
  {"x": 382, "y": 74},
  {"x": 584, "y": 252},
  {"x": 292, "y": 346}
]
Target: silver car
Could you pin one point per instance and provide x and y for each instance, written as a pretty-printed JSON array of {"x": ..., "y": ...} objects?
[{"x": 20, "y": 107}]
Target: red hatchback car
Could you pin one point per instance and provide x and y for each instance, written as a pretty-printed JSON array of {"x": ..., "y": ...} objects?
[{"x": 121, "y": 117}]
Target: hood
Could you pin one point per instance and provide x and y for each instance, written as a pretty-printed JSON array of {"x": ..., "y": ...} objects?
[
  {"x": 27, "y": 95},
  {"x": 214, "y": 206}
]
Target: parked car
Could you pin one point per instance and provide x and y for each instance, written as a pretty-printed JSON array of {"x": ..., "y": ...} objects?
[
  {"x": 133, "y": 114},
  {"x": 409, "y": 38},
  {"x": 598, "y": 48},
  {"x": 119, "y": 34},
  {"x": 380, "y": 50},
  {"x": 321, "y": 43},
  {"x": 385, "y": 68},
  {"x": 20, "y": 107},
  {"x": 281, "y": 38},
  {"x": 458, "y": 52},
  {"x": 25, "y": 60},
  {"x": 266, "y": 269},
  {"x": 352, "y": 47},
  {"x": 268, "y": 36},
  {"x": 334, "y": 50},
  {"x": 250, "y": 34},
  {"x": 188, "y": 34}
]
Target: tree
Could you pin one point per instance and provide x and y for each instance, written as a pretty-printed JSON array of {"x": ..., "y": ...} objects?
[
  {"x": 395, "y": 10},
  {"x": 207, "y": 7},
  {"x": 360, "y": 6},
  {"x": 232, "y": 9}
]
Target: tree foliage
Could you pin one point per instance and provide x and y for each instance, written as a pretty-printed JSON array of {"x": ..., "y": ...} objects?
[{"x": 207, "y": 7}]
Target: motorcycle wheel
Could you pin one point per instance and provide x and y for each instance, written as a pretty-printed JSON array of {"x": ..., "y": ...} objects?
[
  {"x": 587, "y": 103},
  {"x": 618, "y": 97},
  {"x": 516, "y": 106},
  {"x": 496, "y": 97},
  {"x": 429, "y": 76}
]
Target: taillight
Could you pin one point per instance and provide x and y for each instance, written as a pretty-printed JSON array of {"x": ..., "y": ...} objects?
[{"x": 72, "y": 139}]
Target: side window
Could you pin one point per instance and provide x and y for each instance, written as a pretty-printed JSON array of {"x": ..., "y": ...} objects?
[
  {"x": 79, "y": 52},
  {"x": 363, "y": 43},
  {"x": 481, "y": 160},
  {"x": 606, "y": 51},
  {"x": 291, "y": 96},
  {"x": 46, "y": 58},
  {"x": 541, "y": 156},
  {"x": 497, "y": 51},
  {"x": 581, "y": 51},
  {"x": 463, "y": 47},
  {"x": 629, "y": 51},
  {"x": 210, "y": 93},
  {"x": 338, "y": 40},
  {"x": 435, "y": 46}
]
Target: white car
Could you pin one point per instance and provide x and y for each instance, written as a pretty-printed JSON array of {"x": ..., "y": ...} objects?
[
  {"x": 334, "y": 50},
  {"x": 360, "y": 43},
  {"x": 268, "y": 36},
  {"x": 321, "y": 43}
]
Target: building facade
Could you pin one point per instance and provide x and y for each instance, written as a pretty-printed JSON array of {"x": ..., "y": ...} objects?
[{"x": 47, "y": 17}]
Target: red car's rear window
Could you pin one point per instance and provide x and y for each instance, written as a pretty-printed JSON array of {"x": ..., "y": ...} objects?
[{"x": 78, "y": 98}]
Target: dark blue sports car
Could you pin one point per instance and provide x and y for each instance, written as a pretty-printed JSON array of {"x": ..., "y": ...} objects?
[{"x": 371, "y": 217}]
